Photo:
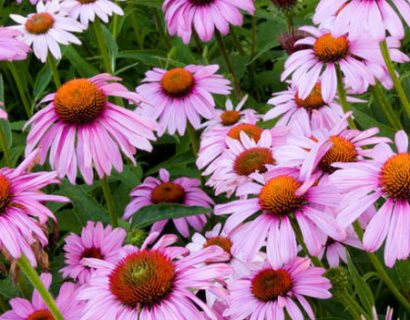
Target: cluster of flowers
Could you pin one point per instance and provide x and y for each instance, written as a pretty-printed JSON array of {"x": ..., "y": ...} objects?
[{"x": 304, "y": 181}]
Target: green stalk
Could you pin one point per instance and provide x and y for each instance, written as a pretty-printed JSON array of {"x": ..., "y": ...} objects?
[
  {"x": 253, "y": 40},
  {"x": 236, "y": 41},
  {"x": 385, "y": 106},
  {"x": 3, "y": 143},
  {"x": 342, "y": 96},
  {"x": 32, "y": 275},
  {"x": 109, "y": 202},
  {"x": 381, "y": 272},
  {"x": 54, "y": 70},
  {"x": 20, "y": 88},
  {"x": 193, "y": 138},
  {"x": 197, "y": 41},
  {"x": 115, "y": 24},
  {"x": 228, "y": 63},
  {"x": 101, "y": 44},
  {"x": 160, "y": 29},
  {"x": 396, "y": 82},
  {"x": 134, "y": 23}
]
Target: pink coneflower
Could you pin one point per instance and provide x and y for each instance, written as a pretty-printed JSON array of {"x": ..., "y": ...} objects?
[
  {"x": 81, "y": 127},
  {"x": 358, "y": 59},
  {"x": 213, "y": 142},
  {"x": 317, "y": 149},
  {"x": 182, "y": 94},
  {"x": 20, "y": 203},
  {"x": 359, "y": 16},
  {"x": 217, "y": 236},
  {"x": 240, "y": 159},
  {"x": 95, "y": 242},
  {"x": 389, "y": 314},
  {"x": 281, "y": 196},
  {"x": 267, "y": 292},
  {"x": 66, "y": 301},
  {"x": 387, "y": 176},
  {"x": 10, "y": 47},
  {"x": 152, "y": 283},
  {"x": 182, "y": 190},
  {"x": 87, "y": 10},
  {"x": 204, "y": 15},
  {"x": 289, "y": 105},
  {"x": 231, "y": 116},
  {"x": 47, "y": 28}
]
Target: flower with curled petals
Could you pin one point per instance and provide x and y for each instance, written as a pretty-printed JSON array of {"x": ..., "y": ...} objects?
[
  {"x": 12, "y": 48},
  {"x": 156, "y": 283},
  {"x": 82, "y": 129}
]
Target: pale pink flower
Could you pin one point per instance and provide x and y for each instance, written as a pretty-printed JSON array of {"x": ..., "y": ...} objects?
[
  {"x": 280, "y": 195},
  {"x": 182, "y": 94},
  {"x": 22, "y": 211},
  {"x": 360, "y": 16},
  {"x": 360, "y": 61},
  {"x": 88, "y": 10},
  {"x": 182, "y": 190},
  {"x": 83, "y": 129},
  {"x": 288, "y": 105},
  {"x": 204, "y": 15},
  {"x": 386, "y": 176},
  {"x": 266, "y": 293},
  {"x": 46, "y": 28},
  {"x": 230, "y": 116},
  {"x": 12, "y": 48},
  {"x": 69, "y": 306},
  {"x": 94, "y": 242},
  {"x": 156, "y": 283},
  {"x": 239, "y": 160},
  {"x": 3, "y": 113},
  {"x": 389, "y": 314}
]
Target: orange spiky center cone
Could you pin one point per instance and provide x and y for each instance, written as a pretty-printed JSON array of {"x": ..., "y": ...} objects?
[
  {"x": 40, "y": 315},
  {"x": 330, "y": 49},
  {"x": 268, "y": 284},
  {"x": 5, "y": 193},
  {"x": 253, "y": 160},
  {"x": 278, "y": 197},
  {"x": 313, "y": 101},
  {"x": 143, "y": 279},
  {"x": 230, "y": 117},
  {"x": 39, "y": 23},
  {"x": 221, "y": 242},
  {"x": 251, "y": 131},
  {"x": 79, "y": 102},
  {"x": 168, "y": 192},
  {"x": 343, "y": 150},
  {"x": 177, "y": 82},
  {"x": 394, "y": 176}
]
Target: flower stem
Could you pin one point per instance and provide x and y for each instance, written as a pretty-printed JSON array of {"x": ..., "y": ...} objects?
[
  {"x": 385, "y": 106},
  {"x": 342, "y": 96},
  {"x": 20, "y": 88},
  {"x": 253, "y": 40},
  {"x": 54, "y": 70},
  {"x": 109, "y": 202},
  {"x": 3, "y": 143},
  {"x": 197, "y": 42},
  {"x": 381, "y": 272},
  {"x": 101, "y": 43},
  {"x": 299, "y": 237},
  {"x": 134, "y": 23},
  {"x": 396, "y": 82},
  {"x": 160, "y": 29},
  {"x": 32, "y": 275},
  {"x": 193, "y": 138},
  {"x": 236, "y": 41},
  {"x": 115, "y": 24},
  {"x": 228, "y": 63}
]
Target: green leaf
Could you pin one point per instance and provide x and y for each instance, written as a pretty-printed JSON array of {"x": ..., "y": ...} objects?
[
  {"x": 362, "y": 289},
  {"x": 85, "y": 207},
  {"x": 367, "y": 122},
  {"x": 42, "y": 80},
  {"x": 7, "y": 289},
  {"x": 111, "y": 45},
  {"x": 5, "y": 125},
  {"x": 84, "y": 68},
  {"x": 157, "y": 212},
  {"x": 149, "y": 3}
]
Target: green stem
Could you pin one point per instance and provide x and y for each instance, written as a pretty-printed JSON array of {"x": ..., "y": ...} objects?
[
  {"x": 115, "y": 24},
  {"x": 253, "y": 40},
  {"x": 161, "y": 29},
  {"x": 197, "y": 42},
  {"x": 342, "y": 96},
  {"x": 289, "y": 18},
  {"x": 32, "y": 275},
  {"x": 351, "y": 305},
  {"x": 396, "y": 82},
  {"x": 299, "y": 237},
  {"x": 54, "y": 70},
  {"x": 134, "y": 23},
  {"x": 381, "y": 272},
  {"x": 109, "y": 202},
  {"x": 385, "y": 106},
  {"x": 3, "y": 143},
  {"x": 20, "y": 88},
  {"x": 101, "y": 44},
  {"x": 228, "y": 63},
  {"x": 237, "y": 42},
  {"x": 193, "y": 138}
]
